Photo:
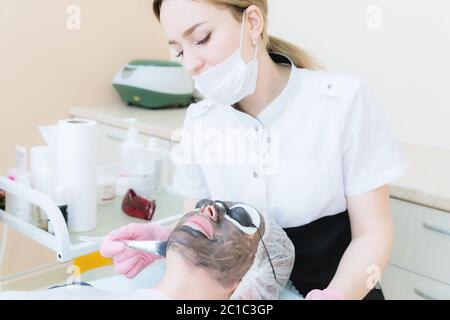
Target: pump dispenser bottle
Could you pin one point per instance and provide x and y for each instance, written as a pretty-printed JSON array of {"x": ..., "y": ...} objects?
[
  {"x": 128, "y": 150},
  {"x": 130, "y": 146}
]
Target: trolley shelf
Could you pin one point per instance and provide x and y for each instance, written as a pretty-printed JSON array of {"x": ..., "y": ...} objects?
[{"x": 66, "y": 244}]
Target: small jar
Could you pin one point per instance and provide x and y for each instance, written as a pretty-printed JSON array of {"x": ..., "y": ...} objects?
[{"x": 106, "y": 188}]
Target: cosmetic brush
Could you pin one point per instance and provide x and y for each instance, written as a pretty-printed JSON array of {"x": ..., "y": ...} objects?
[{"x": 155, "y": 247}]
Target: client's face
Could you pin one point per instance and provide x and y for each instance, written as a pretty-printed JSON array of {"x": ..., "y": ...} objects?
[{"x": 220, "y": 237}]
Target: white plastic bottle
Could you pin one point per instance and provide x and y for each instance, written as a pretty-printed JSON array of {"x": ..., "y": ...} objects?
[
  {"x": 130, "y": 147},
  {"x": 14, "y": 204},
  {"x": 142, "y": 175},
  {"x": 128, "y": 151},
  {"x": 17, "y": 205}
]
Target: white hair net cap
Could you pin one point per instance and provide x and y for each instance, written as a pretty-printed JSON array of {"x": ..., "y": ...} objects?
[{"x": 259, "y": 282}]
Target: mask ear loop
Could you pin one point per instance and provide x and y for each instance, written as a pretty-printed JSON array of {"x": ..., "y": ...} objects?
[
  {"x": 254, "y": 42},
  {"x": 242, "y": 31}
]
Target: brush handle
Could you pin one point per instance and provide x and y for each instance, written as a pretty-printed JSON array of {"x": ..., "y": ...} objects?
[{"x": 154, "y": 247}]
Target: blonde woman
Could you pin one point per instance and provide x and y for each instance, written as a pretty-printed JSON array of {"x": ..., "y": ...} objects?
[{"x": 325, "y": 151}]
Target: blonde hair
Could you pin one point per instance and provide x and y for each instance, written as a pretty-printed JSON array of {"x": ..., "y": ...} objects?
[{"x": 300, "y": 57}]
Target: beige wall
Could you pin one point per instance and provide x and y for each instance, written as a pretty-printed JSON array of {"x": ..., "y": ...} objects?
[
  {"x": 46, "y": 68},
  {"x": 406, "y": 60}
]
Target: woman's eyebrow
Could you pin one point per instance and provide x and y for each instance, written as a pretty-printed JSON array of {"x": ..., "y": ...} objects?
[{"x": 189, "y": 31}]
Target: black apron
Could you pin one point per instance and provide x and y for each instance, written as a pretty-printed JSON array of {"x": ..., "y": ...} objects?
[{"x": 319, "y": 247}]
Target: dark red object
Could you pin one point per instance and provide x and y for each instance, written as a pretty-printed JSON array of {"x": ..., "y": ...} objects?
[{"x": 138, "y": 207}]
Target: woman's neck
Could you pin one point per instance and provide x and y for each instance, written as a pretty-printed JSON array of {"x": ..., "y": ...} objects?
[
  {"x": 184, "y": 281},
  {"x": 272, "y": 79}
]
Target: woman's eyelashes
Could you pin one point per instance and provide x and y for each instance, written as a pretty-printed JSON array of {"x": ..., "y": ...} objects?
[
  {"x": 204, "y": 40},
  {"x": 198, "y": 43}
]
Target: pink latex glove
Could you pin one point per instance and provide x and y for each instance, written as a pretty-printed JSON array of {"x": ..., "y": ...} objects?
[
  {"x": 326, "y": 294},
  {"x": 130, "y": 262}
]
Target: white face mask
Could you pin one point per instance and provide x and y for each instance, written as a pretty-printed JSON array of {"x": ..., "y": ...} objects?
[{"x": 231, "y": 80}]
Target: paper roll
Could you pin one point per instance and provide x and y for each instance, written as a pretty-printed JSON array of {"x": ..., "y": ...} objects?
[{"x": 76, "y": 170}]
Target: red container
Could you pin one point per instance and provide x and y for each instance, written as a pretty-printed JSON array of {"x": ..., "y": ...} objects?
[{"x": 138, "y": 207}]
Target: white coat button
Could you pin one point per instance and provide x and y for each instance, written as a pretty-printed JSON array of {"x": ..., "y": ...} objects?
[
  {"x": 256, "y": 128},
  {"x": 255, "y": 174},
  {"x": 331, "y": 89}
]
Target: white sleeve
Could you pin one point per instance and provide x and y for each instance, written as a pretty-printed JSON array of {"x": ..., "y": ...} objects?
[
  {"x": 371, "y": 155},
  {"x": 188, "y": 178}
]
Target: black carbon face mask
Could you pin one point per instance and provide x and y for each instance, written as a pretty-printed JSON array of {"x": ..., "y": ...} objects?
[{"x": 243, "y": 216}]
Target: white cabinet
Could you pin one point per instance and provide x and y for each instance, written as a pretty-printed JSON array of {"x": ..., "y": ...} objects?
[
  {"x": 434, "y": 245},
  {"x": 407, "y": 232},
  {"x": 401, "y": 284},
  {"x": 420, "y": 262}
]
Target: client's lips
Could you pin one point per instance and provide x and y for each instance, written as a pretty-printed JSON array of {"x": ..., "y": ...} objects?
[{"x": 201, "y": 224}]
